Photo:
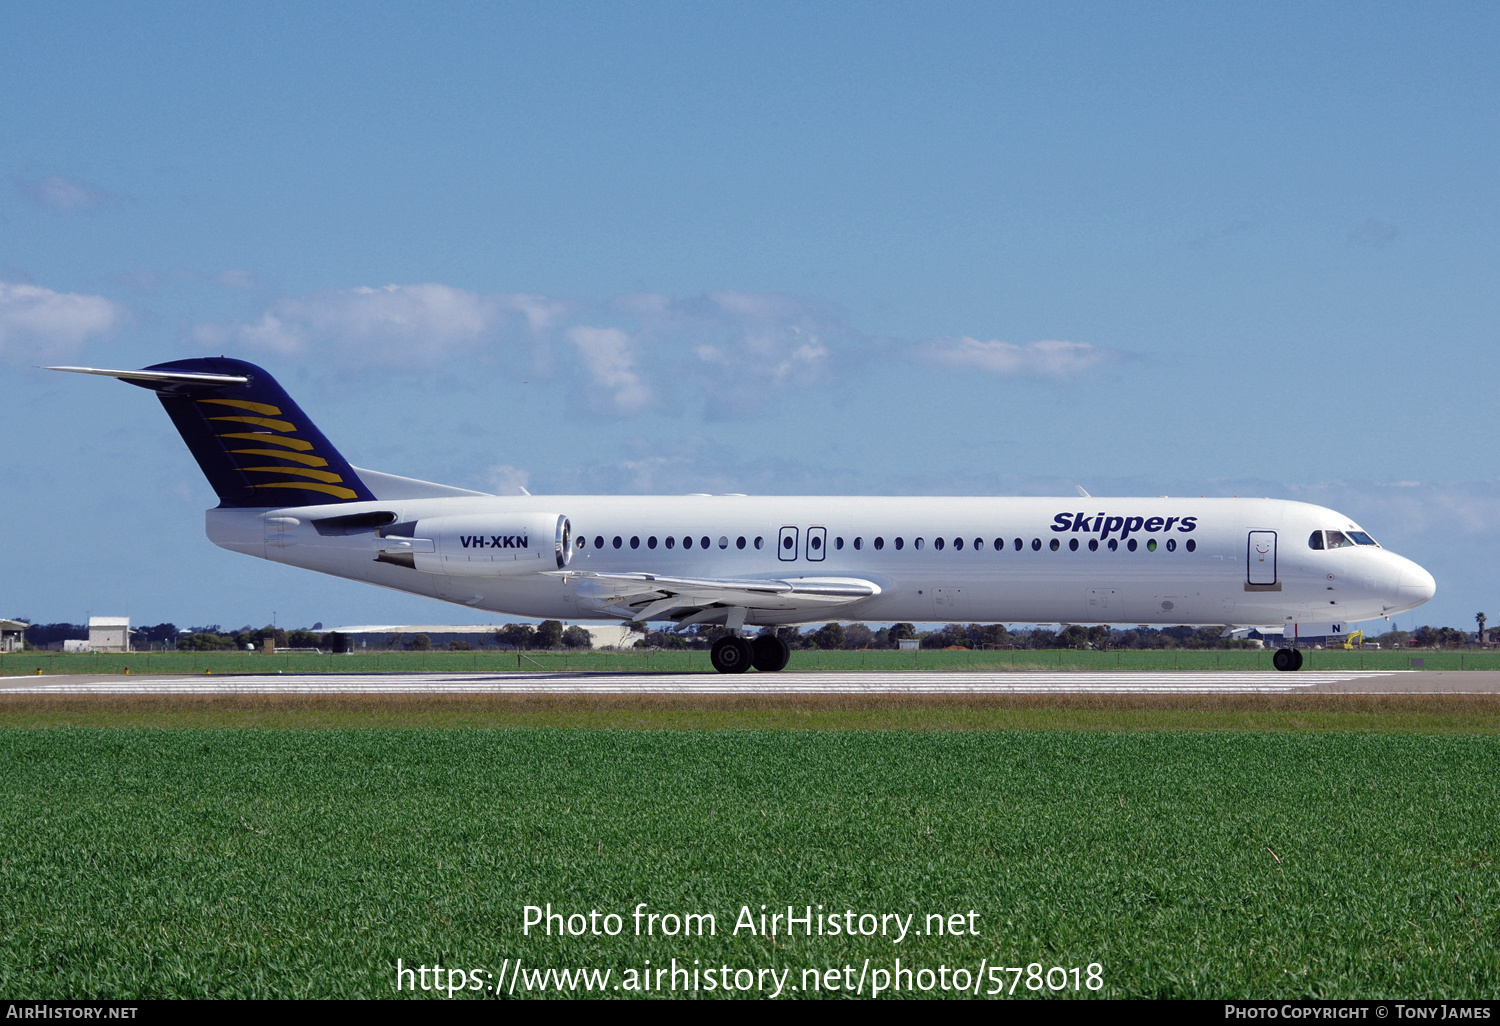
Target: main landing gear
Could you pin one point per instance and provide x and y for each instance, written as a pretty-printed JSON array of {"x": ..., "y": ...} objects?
[
  {"x": 735, "y": 654},
  {"x": 1287, "y": 659}
]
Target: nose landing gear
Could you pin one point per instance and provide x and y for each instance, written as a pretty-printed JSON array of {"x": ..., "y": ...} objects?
[{"x": 1287, "y": 659}]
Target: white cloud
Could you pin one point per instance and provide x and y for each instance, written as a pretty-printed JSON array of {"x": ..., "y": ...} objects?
[
  {"x": 508, "y": 480},
  {"x": 1036, "y": 359},
  {"x": 60, "y": 194},
  {"x": 733, "y": 352},
  {"x": 36, "y": 322},
  {"x": 608, "y": 357},
  {"x": 394, "y": 324}
]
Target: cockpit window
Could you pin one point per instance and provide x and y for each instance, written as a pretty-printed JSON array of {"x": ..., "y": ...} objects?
[
  {"x": 1337, "y": 540},
  {"x": 1315, "y": 540},
  {"x": 1360, "y": 538}
]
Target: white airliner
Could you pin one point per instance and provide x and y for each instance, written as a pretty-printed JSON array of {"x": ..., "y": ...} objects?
[{"x": 287, "y": 495}]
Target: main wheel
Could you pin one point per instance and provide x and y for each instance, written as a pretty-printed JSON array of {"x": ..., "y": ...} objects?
[
  {"x": 731, "y": 655},
  {"x": 1286, "y": 659},
  {"x": 1296, "y": 659},
  {"x": 770, "y": 653}
]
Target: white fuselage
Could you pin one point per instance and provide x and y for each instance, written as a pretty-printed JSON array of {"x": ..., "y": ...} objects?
[{"x": 1193, "y": 561}]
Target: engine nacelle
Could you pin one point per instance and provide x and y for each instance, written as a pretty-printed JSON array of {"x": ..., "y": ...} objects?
[{"x": 480, "y": 545}]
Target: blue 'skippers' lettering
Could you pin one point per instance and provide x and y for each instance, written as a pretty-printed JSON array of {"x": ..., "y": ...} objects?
[{"x": 1121, "y": 526}]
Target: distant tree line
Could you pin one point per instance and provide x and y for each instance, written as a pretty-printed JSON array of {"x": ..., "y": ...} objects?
[{"x": 551, "y": 634}]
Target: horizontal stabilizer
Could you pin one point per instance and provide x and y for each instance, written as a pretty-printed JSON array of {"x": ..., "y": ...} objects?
[{"x": 164, "y": 377}]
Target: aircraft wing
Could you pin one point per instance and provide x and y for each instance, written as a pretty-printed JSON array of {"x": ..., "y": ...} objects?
[{"x": 641, "y": 596}]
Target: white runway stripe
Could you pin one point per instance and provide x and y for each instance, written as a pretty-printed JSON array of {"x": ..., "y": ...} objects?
[{"x": 913, "y": 683}]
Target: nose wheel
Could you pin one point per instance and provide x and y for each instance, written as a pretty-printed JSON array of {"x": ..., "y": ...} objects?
[{"x": 1287, "y": 659}]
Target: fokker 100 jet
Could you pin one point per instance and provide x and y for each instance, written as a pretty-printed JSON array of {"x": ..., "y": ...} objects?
[{"x": 287, "y": 495}]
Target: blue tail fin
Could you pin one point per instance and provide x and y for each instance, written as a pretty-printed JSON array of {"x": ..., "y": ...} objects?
[{"x": 255, "y": 446}]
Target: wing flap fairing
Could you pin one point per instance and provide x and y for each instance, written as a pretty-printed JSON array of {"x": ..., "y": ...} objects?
[{"x": 642, "y": 596}]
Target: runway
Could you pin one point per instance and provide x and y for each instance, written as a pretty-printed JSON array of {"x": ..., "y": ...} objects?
[{"x": 785, "y": 683}]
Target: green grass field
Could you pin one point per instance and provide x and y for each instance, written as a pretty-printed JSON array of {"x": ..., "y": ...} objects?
[
  {"x": 24, "y": 663},
  {"x": 304, "y": 863}
]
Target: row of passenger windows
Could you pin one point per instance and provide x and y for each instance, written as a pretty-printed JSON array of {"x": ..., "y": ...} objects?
[
  {"x": 671, "y": 542},
  {"x": 816, "y": 542}
]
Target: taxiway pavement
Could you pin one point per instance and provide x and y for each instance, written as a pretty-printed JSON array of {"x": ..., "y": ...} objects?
[{"x": 1124, "y": 682}]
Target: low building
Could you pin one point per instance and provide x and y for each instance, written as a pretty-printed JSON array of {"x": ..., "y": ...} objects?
[
  {"x": 109, "y": 634},
  {"x": 12, "y": 635},
  {"x": 611, "y": 635}
]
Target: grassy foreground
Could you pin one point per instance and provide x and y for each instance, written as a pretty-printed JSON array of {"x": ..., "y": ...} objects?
[
  {"x": 644, "y": 661},
  {"x": 302, "y": 863},
  {"x": 1394, "y": 713}
]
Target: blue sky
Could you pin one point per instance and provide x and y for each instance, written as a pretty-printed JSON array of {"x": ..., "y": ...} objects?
[{"x": 861, "y": 248}]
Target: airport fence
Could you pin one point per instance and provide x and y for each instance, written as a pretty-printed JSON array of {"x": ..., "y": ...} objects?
[{"x": 681, "y": 660}]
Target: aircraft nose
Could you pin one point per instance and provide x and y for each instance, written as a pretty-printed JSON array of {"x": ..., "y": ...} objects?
[{"x": 1416, "y": 585}]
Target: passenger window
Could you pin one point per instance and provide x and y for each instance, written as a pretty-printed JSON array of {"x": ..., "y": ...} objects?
[
  {"x": 838, "y": 543},
  {"x": 671, "y": 541},
  {"x": 599, "y": 541},
  {"x": 999, "y": 545},
  {"x": 1190, "y": 545},
  {"x": 958, "y": 544},
  {"x": 900, "y": 544},
  {"x": 759, "y": 542},
  {"x": 687, "y": 542},
  {"x": 937, "y": 543},
  {"x": 617, "y": 541},
  {"x": 786, "y": 543},
  {"x": 651, "y": 542},
  {"x": 1151, "y": 545},
  {"x": 859, "y": 543},
  {"x": 1072, "y": 544},
  {"x": 635, "y": 543},
  {"x": 739, "y": 542},
  {"x": 1114, "y": 545},
  {"x": 815, "y": 542},
  {"x": 582, "y": 542},
  {"x": 1131, "y": 545},
  {"x": 723, "y": 542},
  {"x": 1019, "y": 544},
  {"x": 917, "y": 544},
  {"x": 1315, "y": 540},
  {"x": 704, "y": 541},
  {"x": 1093, "y": 544},
  {"x": 1036, "y": 545},
  {"x": 879, "y": 544},
  {"x": 1171, "y": 544},
  {"x": 1055, "y": 545}
]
